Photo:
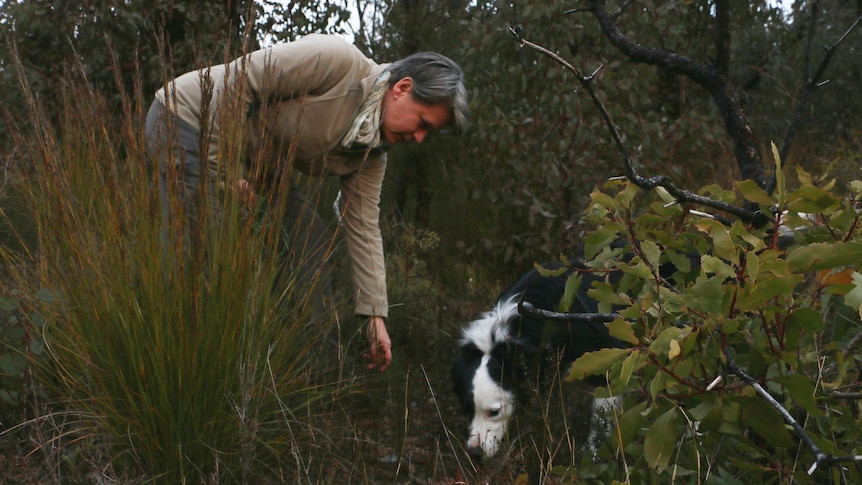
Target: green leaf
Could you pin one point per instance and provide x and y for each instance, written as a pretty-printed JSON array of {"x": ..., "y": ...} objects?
[
  {"x": 661, "y": 440},
  {"x": 661, "y": 345},
  {"x": 751, "y": 191},
  {"x": 632, "y": 363},
  {"x": 722, "y": 242},
  {"x": 801, "y": 390},
  {"x": 598, "y": 240},
  {"x": 46, "y": 295},
  {"x": 760, "y": 416},
  {"x": 806, "y": 319},
  {"x": 779, "y": 176},
  {"x": 605, "y": 294},
  {"x": 573, "y": 283},
  {"x": 550, "y": 273},
  {"x": 623, "y": 330},
  {"x": 809, "y": 198},
  {"x": 630, "y": 423},
  {"x": 596, "y": 363},
  {"x": 718, "y": 267},
  {"x": 713, "y": 418},
  {"x": 825, "y": 255},
  {"x": 639, "y": 270},
  {"x": 7, "y": 305},
  {"x": 757, "y": 295},
  {"x": 652, "y": 253}
]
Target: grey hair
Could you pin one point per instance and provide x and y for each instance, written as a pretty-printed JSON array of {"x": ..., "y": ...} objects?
[{"x": 436, "y": 80}]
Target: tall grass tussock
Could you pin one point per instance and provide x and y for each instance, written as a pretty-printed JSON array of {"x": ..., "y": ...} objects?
[{"x": 177, "y": 352}]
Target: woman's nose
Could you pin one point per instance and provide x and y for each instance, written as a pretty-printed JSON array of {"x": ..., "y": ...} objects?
[{"x": 419, "y": 135}]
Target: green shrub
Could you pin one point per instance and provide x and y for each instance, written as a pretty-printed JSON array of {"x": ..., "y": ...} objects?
[{"x": 788, "y": 318}]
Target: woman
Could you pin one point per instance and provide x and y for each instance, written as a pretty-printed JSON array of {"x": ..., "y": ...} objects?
[{"x": 319, "y": 105}]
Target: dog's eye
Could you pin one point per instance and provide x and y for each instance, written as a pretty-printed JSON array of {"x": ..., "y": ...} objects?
[{"x": 493, "y": 413}]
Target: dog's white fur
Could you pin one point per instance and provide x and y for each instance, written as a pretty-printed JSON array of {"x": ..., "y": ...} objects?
[{"x": 493, "y": 404}]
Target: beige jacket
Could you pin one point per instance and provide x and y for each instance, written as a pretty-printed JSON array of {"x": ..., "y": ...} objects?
[{"x": 312, "y": 90}]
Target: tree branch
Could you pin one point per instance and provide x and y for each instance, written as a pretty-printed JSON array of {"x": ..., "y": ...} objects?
[
  {"x": 681, "y": 195},
  {"x": 712, "y": 78},
  {"x": 527, "y": 308},
  {"x": 821, "y": 459},
  {"x": 812, "y": 83}
]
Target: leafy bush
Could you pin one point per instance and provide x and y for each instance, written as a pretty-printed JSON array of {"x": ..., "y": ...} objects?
[{"x": 789, "y": 319}]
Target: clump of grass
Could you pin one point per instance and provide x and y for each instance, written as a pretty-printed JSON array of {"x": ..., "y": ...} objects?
[{"x": 184, "y": 357}]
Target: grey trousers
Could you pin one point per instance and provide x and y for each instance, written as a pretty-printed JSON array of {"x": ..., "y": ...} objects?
[{"x": 306, "y": 241}]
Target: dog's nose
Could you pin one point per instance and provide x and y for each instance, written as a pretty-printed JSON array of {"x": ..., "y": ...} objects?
[{"x": 476, "y": 453}]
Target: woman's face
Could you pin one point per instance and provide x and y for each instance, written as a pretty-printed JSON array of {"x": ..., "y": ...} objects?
[{"x": 405, "y": 119}]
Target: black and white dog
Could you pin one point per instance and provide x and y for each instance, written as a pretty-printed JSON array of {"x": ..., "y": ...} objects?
[{"x": 503, "y": 348}]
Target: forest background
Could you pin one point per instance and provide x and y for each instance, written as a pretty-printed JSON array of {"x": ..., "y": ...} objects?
[{"x": 461, "y": 215}]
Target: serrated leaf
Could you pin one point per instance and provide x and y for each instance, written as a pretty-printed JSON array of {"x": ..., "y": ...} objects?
[
  {"x": 596, "y": 363},
  {"x": 660, "y": 440},
  {"x": 639, "y": 270},
  {"x": 623, "y": 330},
  {"x": 550, "y": 273}
]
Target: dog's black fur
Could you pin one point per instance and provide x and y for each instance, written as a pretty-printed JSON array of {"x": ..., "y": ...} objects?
[{"x": 521, "y": 348}]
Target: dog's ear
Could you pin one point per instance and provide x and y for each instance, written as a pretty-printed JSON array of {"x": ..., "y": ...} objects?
[
  {"x": 516, "y": 353},
  {"x": 470, "y": 352},
  {"x": 462, "y": 373}
]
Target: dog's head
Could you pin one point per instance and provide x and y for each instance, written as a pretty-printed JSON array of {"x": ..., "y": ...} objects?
[{"x": 483, "y": 376}]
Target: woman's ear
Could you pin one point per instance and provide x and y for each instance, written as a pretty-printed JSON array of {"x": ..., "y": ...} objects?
[{"x": 403, "y": 86}]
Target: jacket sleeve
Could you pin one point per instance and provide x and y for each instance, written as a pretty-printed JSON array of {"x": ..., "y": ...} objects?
[{"x": 361, "y": 224}]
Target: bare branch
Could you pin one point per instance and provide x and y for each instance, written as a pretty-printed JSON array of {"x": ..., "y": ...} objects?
[
  {"x": 722, "y": 38},
  {"x": 710, "y": 77},
  {"x": 526, "y": 308},
  {"x": 812, "y": 83},
  {"x": 642, "y": 182}
]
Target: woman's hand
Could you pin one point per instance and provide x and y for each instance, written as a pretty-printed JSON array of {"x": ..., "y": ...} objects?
[
  {"x": 379, "y": 345},
  {"x": 243, "y": 191}
]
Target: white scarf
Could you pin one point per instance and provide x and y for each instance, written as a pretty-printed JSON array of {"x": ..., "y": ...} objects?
[{"x": 365, "y": 129}]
